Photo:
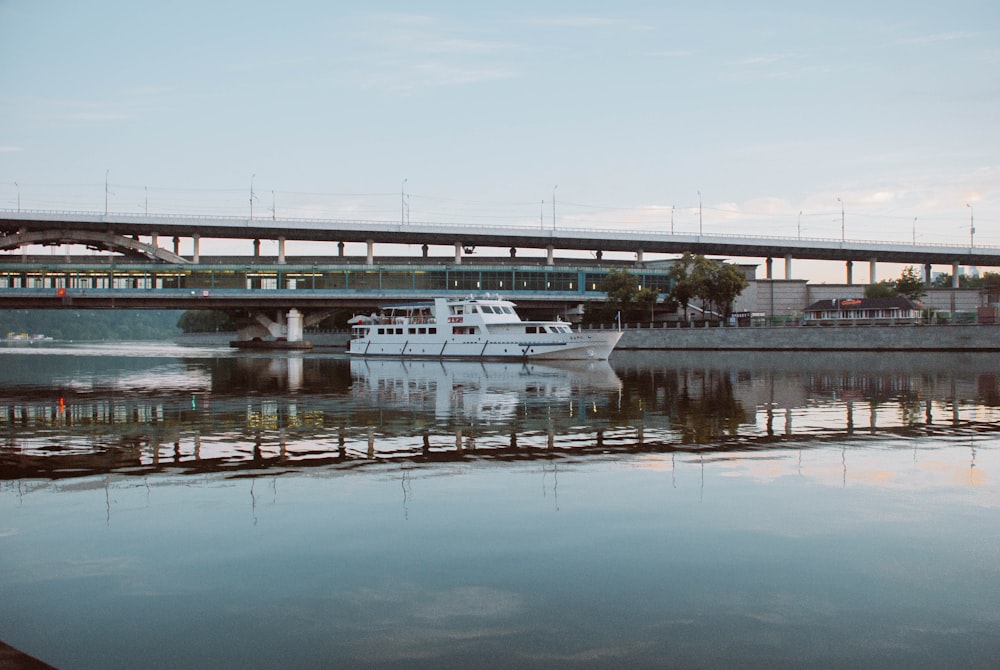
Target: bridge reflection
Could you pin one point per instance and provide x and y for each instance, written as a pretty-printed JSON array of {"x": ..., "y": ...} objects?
[{"x": 246, "y": 413}]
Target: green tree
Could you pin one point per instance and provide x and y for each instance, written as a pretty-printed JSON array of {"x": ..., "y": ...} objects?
[
  {"x": 910, "y": 285},
  {"x": 205, "y": 321},
  {"x": 883, "y": 289},
  {"x": 725, "y": 283},
  {"x": 715, "y": 283},
  {"x": 625, "y": 297},
  {"x": 682, "y": 286}
]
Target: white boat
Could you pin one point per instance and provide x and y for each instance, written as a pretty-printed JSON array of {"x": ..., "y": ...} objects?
[{"x": 474, "y": 327}]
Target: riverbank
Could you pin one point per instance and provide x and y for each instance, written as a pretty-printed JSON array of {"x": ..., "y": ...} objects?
[{"x": 964, "y": 337}]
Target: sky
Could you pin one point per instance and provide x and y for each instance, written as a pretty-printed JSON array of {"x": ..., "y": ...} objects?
[{"x": 875, "y": 121}]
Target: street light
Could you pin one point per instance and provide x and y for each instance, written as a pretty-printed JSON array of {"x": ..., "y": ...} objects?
[
  {"x": 106, "y": 173},
  {"x": 699, "y": 213},
  {"x": 841, "y": 219},
  {"x": 972, "y": 226},
  {"x": 252, "y": 177},
  {"x": 541, "y": 215},
  {"x": 18, "y": 197},
  {"x": 914, "y": 230},
  {"x": 402, "y": 202},
  {"x": 800, "y": 224}
]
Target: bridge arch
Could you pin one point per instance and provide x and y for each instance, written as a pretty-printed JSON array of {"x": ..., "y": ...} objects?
[{"x": 106, "y": 241}]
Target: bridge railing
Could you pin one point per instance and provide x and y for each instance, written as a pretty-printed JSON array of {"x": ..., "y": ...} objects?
[{"x": 429, "y": 226}]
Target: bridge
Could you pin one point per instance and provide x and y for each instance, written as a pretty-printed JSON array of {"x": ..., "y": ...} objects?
[{"x": 277, "y": 296}]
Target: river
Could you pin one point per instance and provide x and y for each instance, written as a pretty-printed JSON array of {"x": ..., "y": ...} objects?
[{"x": 165, "y": 506}]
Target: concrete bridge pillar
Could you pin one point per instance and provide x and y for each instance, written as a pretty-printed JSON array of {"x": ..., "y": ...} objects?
[
  {"x": 294, "y": 327},
  {"x": 954, "y": 275},
  {"x": 154, "y": 240},
  {"x": 769, "y": 265},
  {"x": 850, "y": 272},
  {"x": 256, "y": 248},
  {"x": 638, "y": 257},
  {"x": 871, "y": 271},
  {"x": 788, "y": 266},
  {"x": 424, "y": 249},
  {"x": 370, "y": 257},
  {"x": 196, "y": 248},
  {"x": 340, "y": 249},
  {"x": 927, "y": 273},
  {"x": 549, "y": 255},
  {"x": 458, "y": 253},
  {"x": 281, "y": 250},
  {"x": 177, "y": 246}
]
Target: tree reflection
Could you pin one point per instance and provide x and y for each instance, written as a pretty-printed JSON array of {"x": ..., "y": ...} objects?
[{"x": 261, "y": 412}]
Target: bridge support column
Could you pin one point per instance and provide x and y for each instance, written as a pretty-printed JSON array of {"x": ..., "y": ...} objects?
[
  {"x": 281, "y": 250},
  {"x": 196, "y": 248},
  {"x": 154, "y": 240},
  {"x": 294, "y": 325},
  {"x": 340, "y": 249},
  {"x": 871, "y": 271},
  {"x": 788, "y": 266},
  {"x": 370, "y": 258},
  {"x": 256, "y": 248},
  {"x": 850, "y": 272},
  {"x": 177, "y": 246},
  {"x": 954, "y": 275},
  {"x": 927, "y": 274},
  {"x": 549, "y": 255},
  {"x": 769, "y": 265},
  {"x": 458, "y": 253},
  {"x": 638, "y": 257},
  {"x": 424, "y": 249}
]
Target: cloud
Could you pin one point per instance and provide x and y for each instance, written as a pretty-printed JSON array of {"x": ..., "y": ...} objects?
[
  {"x": 585, "y": 22},
  {"x": 410, "y": 52},
  {"x": 939, "y": 37}
]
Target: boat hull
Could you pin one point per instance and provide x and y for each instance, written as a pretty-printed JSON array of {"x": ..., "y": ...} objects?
[{"x": 581, "y": 345}]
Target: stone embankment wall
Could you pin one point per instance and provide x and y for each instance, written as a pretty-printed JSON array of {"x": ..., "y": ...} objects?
[{"x": 817, "y": 338}]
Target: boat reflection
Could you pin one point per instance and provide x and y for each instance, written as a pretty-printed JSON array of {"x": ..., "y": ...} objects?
[
  {"x": 254, "y": 412},
  {"x": 484, "y": 392}
]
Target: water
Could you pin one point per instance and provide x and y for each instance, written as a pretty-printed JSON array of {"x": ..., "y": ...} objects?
[{"x": 173, "y": 507}]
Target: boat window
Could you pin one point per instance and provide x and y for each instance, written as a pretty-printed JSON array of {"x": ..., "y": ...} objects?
[
  {"x": 399, "y": 331},
  {"x": 507, "y": 310},
  {"x": 531, "y": 329},
  {"x": 432, "y": 331},
  {"x": 487, "y": 309}
]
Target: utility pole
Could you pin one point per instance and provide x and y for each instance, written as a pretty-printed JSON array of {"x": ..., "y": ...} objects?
[{"x": 972, "y": 224}]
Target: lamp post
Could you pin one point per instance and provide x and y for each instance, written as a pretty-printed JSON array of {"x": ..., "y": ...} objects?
[
  {"x": 972, "y": 224},
  {"x": 699, "y": 214},
  {"x": 800, "y": 224},
  {"x": 554, "y": 206},
  {"x": 541, "y": 215},
  {"x": 841, "y": 219},
  {"x": 914, "y": 230},
  {"x": 402, "y": 202},
  {"x": 671, "y": 219},
  {"x": 18, "y": 197},
  {"x": 106, "y": 173},
  {"x": 252, "y": 177}
]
